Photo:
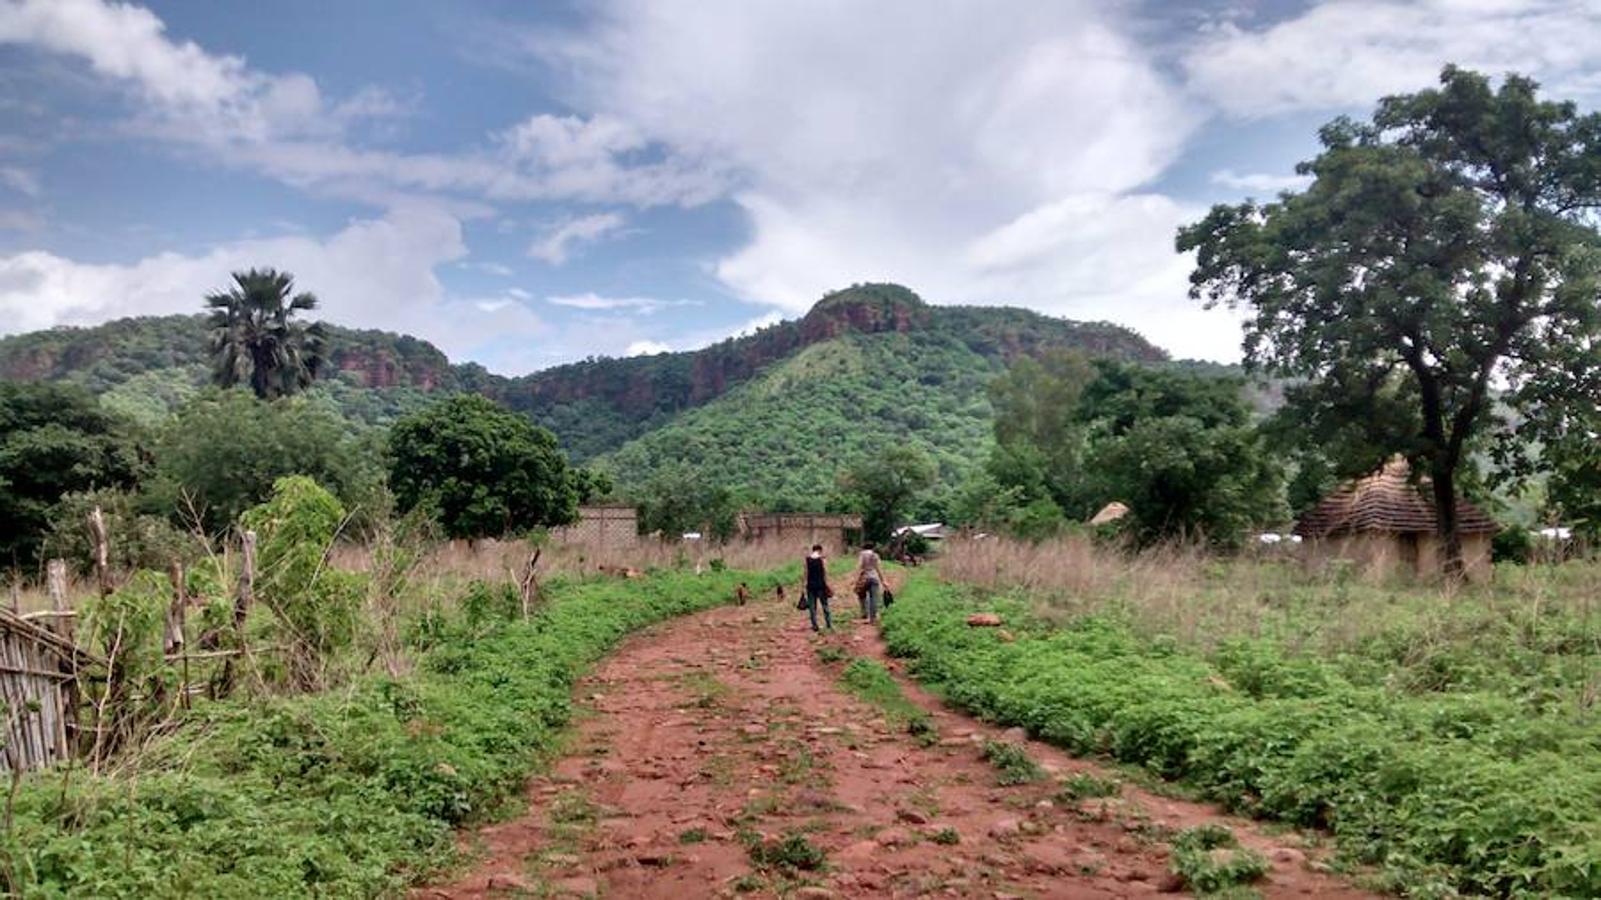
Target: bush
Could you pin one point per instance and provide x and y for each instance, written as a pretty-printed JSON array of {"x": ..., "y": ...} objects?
[
  {"x": 1487, "y": 794},
  {"x": 351, "y": 793}
]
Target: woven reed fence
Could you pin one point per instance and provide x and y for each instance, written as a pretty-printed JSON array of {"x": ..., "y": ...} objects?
[{"x": 39, "y": 672}]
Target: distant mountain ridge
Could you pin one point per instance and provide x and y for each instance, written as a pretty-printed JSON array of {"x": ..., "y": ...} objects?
[{"x": 596, "y": 406}]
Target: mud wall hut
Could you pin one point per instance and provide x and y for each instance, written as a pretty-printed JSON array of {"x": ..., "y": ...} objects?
[{"x": 1385, "y": 524}]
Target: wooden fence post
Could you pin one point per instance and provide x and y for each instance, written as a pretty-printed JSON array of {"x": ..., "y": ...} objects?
[
  {"x": 247, "y": 582},
  {"x": 55, "y": 580},
  {"x": 97, "y": 528},
  {"x": 174, "y": 642}
]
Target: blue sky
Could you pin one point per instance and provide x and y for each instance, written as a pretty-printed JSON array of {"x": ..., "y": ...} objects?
[{"x": 527, "y": 184}]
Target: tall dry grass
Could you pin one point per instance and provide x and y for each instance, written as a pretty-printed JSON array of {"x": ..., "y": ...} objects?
[{"x": 1184, "y": 592}]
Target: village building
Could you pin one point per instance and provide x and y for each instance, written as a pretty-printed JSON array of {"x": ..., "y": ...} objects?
[
  {"x": 835, "y": 531},
  {"x": 602, "y": 526},
  {"x": 1385, "y": 523}
]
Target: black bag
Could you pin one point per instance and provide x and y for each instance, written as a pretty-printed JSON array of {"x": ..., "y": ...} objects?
[
  {"x": 889, "y": 599},
  {"x": 801, "y": 604}
]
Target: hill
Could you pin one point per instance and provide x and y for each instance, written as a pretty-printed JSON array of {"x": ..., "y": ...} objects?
[
  {"x": 147, "y": 366},
  {"x": 599, "y": 405}
]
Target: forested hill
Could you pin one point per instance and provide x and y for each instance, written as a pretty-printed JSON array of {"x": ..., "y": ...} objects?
[
  {"x": 598, "y": 405},
  {"x": 145, "y": 366}
]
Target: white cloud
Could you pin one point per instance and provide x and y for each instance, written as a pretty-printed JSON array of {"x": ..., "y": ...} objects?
[
  {"x": 595, "y": 303},
  {"x": 283, "y": 126},
  {"x": 554, "y": 246},
  {"x": 647, "y": 348},
  {"x": 1351, "y": 52},
  {"x": 20, "y": 180},
  {"x": 991, "y": 155},
  {"x": 1262, "y": 182},
  {"x": 375, "y": 273}
]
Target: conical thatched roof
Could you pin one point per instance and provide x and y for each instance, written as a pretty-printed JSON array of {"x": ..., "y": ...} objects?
[{"x": 1385, "y": 501}]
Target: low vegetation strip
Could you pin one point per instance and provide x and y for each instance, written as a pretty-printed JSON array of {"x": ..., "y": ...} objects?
[
  {"x": 1487, "y": 789},
  {"x": 352, "y": 793}
]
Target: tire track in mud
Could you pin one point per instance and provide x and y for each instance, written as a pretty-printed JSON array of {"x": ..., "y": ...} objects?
[{"x": 725, "y": 731}]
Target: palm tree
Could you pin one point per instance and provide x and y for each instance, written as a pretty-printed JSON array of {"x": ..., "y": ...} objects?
[{"x": 254, "y": 337}]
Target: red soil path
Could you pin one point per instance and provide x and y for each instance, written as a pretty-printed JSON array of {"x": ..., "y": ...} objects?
[{"x": 705, "y": 730}]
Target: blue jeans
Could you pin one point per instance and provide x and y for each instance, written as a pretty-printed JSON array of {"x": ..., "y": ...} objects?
[
  {"x": 816, "y": 597},
  {"x": 875, "y": 591}
]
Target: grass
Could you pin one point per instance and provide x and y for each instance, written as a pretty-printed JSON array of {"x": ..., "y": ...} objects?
[
  {"x": 349, "y": 793},
  {"x": 791, "y": 853},
  {"x": 1013, "y": 765},
  {"x": 1446, "y": 740},
  {"x": 1211, "y": 861},
  {"x": 1084, "y": 786},
  {"x": 873, "y": 683}
]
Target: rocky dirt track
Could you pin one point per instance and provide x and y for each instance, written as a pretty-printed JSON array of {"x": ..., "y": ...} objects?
[{"x": 718, "y": 751}]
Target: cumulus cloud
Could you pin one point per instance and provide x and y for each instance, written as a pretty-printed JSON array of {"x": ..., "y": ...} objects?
[
  {"x": 372, "y": 273},
  {"x": 1351, "y": 52},
  {"x": 1261, "y": 182},
  {"x": 555, "y": 245},
  {"x": 978, "y": 155},
  {"x": 283, "y": 125}
]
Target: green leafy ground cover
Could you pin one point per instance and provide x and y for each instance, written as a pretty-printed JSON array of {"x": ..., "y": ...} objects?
[
  {"x": 1482, "y": 779},
  {"x": 351, "y": 793}
]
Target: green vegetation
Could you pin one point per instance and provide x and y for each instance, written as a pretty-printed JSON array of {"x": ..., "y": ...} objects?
[
  {"x": 347, "y": 793},
  {"x": 791, "y": 853},
  {"x": 55, "y": 440},
  {"x": 1210, "y": 860},
  {"x": 1013, "y": 765},
  {"x": 870, "y": 681},
  {"x": 884, "y": 485},
  {"x": 1071, "y": 436},
  {"x": 256, "y": 340},
  {"x": 223, "y": 451},
  {"x": 780, "y": 440},
  {"x": 1446, "y": 245},
  {"x": 1456, "y": 750},
  {"x": 480, "y": 470},
  {"x": 1084, "y": 786}
]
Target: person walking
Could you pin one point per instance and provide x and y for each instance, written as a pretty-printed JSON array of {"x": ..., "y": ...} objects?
[
  {"x": 817, "y": 590},
  {"x": 870, "y": 581}
]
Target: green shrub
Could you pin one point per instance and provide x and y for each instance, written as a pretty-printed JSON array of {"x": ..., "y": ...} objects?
[
  {"x": 1458, "y": 761},
  {"x": 348, "y": 793},
  {"x": 1012, "y": 764},
  {"x": 1209, "y": 859}
]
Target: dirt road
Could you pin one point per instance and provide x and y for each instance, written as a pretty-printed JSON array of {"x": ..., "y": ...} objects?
[{"x": 719, "y": 752}]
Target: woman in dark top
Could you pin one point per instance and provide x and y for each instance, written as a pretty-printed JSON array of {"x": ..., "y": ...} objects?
[{"x": 817, "y": 591}]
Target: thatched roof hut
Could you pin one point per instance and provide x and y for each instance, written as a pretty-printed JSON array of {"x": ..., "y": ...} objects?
[{"x": 1386, "y": 520}]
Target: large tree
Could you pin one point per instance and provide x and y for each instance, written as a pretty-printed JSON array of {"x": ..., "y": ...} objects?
[
  {"x": 223, "y": 451},
  {"x": 883, "y": 486},
  {"x": 256, "y": 338},
  {"x": 480, "y": 469},
  {"x": 1448, "y": 244},
  {"x": 54, "y": 440}
]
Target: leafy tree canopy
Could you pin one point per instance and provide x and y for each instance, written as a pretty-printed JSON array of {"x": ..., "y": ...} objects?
[
  {"x": 1180, "y": 449},
  {"x": 480, "y": 470},
  {"x": 55, "y": 440},
  {"x": 678, "y": 500},
  {"x": 1449, "y": 245},
  {"x": 222, "y": 452},
  {"x": 883, "y": 487}
]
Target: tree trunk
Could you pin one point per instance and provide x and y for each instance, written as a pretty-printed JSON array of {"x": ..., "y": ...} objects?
[{"x": 1444, "y": 484}]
